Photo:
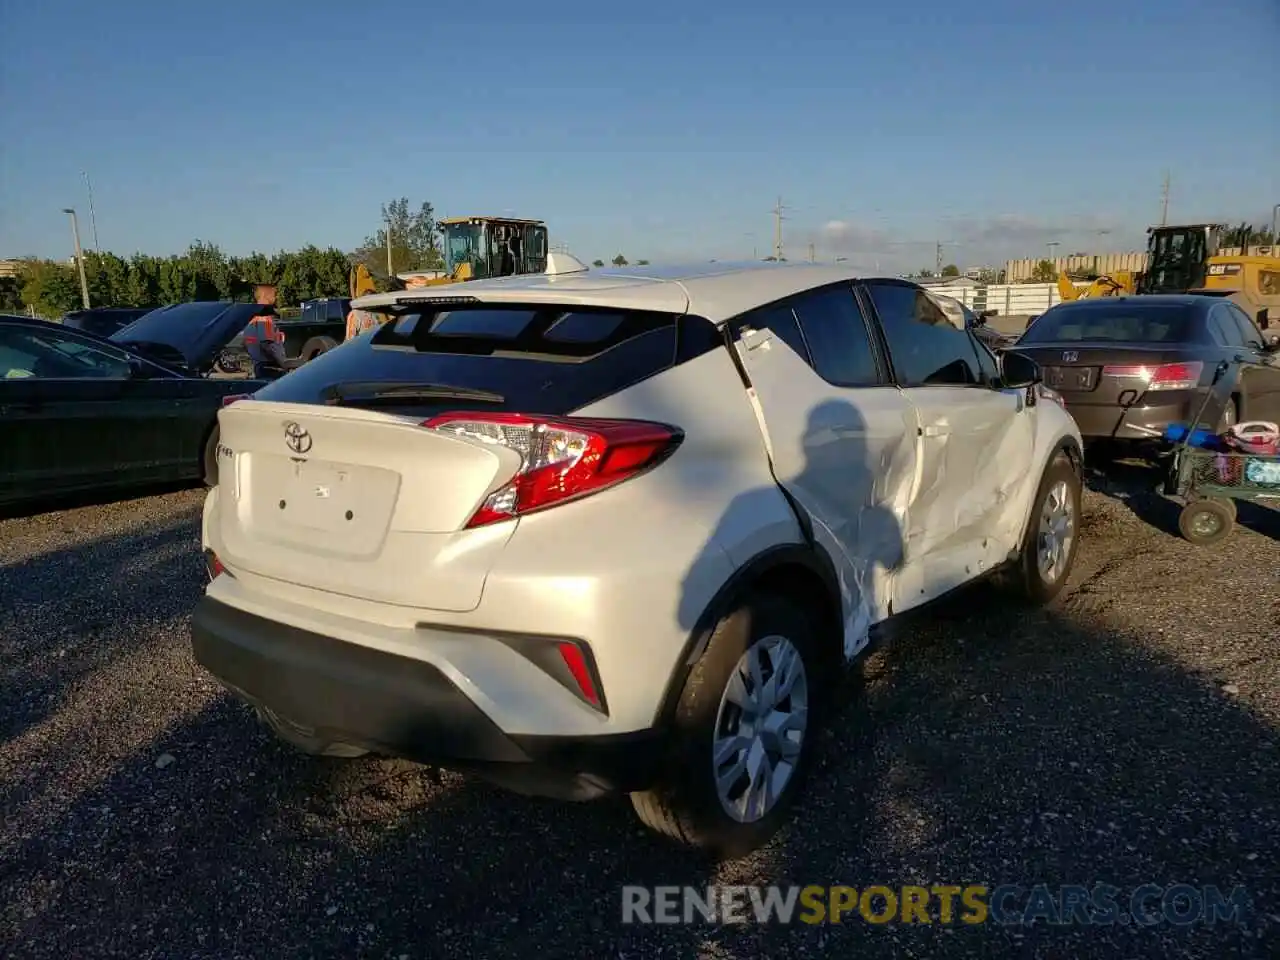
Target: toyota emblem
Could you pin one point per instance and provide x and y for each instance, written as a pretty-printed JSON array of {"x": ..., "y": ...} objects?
[
  {"x": 296, "y": 437},
  {"x": 1070, "y": 356}
]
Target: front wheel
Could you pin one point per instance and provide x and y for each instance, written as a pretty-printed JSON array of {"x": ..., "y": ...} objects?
[
  {"x": 1049, "y": 546},
  {"x": 744, "y": 731}
]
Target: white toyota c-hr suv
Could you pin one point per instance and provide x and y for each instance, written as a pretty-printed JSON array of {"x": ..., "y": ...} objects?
[{"x": 618, "y": 530}]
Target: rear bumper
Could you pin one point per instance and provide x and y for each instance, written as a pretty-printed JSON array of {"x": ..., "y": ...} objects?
[
  {"x": 1144, "y": 421},
  {"x": 407, "y": 708}
]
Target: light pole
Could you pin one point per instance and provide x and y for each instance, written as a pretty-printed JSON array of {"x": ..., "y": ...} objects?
[
  {"x": 390, "y": 273},
  {"x": 75, "y": 236},
  {"x": 1275, "y": 234}
]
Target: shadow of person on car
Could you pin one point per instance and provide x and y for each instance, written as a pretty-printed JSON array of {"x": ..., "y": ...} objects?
[{"x": 833, "y": 520}]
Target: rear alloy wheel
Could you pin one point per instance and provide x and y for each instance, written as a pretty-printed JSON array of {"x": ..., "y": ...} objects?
[
  {"x": 1049, "y": 547},
  {"x": 744, "y": 731},
  {"x": 306, "y": 740},
  {"x": 1205, "y": 522}
]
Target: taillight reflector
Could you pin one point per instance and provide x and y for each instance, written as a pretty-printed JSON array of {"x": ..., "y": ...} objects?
[
  {"x": 213, "y": 566},
  {"x": 232, "y": 398},
  {"x": 574, "y": 659},
  {"x": 1164, "y": 376},
  {"x": 563, "y": 458}
]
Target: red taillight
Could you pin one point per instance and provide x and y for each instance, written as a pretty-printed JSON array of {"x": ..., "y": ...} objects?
[
  {"x": 232, "y": 398},
  {"x": 1164, "y": 376},
  {"x": 574, "y": 659},
  {"x": 213, "y": 565},
  {"x": 563, "y": 458}
]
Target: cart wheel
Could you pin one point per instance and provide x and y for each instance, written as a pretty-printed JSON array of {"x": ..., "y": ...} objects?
[{"x": 1203, "y": 522}]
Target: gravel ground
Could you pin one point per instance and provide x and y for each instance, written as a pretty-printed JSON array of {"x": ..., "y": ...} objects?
[{"x": 1126, "y": 736}]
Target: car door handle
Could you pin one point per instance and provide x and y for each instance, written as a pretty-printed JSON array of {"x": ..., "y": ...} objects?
[{"x": 935, "y": 430}]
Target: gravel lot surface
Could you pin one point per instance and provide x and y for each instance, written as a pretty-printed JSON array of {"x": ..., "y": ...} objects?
[{"x": 1127, "y": 736}]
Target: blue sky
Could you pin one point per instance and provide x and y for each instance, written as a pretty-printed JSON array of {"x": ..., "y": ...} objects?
[{"x": 659, "y": 130}]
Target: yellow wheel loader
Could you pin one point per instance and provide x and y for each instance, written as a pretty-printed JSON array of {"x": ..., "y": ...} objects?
[{"x": 478, "y": 248}]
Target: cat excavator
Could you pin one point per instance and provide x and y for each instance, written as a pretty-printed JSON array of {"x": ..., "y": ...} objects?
[{"x": 1180, "y": 259}]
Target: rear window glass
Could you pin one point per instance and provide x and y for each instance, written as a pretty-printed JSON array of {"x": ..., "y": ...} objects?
[
  {"x": 529, "y": 358},
  {"x": 1122, "y": 323},
  {"x": 501, "y": 324},
  {"x": 571, "y": 327}
]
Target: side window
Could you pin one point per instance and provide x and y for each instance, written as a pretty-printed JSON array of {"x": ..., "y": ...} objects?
[
  {"x": 43, "y": 356},
  {"x": 987, "y": 364},
  {"x": 1222, "y": 325},
  {"x": 1269, "y": 283},
  {"x": 926, "y": 348},
  {"x": 838, "y": 337},
  {"x": 782, "y": 323},
  {"x": 1249, "y": 331}
]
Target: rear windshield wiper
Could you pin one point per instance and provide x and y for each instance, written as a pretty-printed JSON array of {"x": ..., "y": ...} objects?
[{"x": 389, "y": 391}]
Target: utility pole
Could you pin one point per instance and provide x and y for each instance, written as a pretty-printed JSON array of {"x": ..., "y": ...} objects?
[
  {"x": 93, "y": 220},
  {"x": 812, "y": 259},
  {"x": 390, "y": 272},
  {"x": 75, "y": 236},
  {"x": 777, "y": 230},
  {"x": 1164, "y": 201},
  {"x": 938, "y": 271}
]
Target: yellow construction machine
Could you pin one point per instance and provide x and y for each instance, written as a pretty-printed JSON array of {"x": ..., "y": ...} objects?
[
  {"x": 477, "y": 248},
  {"x": 1186, "y": 258}
]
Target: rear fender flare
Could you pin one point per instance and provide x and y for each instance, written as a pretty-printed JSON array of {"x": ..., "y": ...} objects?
[{"x": 804, "y": 555}]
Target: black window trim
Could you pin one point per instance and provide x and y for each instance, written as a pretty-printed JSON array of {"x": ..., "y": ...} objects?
[
  {"x": 895, "y": 379},
  {"x": 870, "y": 326}
]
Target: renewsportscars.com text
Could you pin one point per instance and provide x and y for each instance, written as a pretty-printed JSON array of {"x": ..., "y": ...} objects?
[{"x": 970, "y": 904}]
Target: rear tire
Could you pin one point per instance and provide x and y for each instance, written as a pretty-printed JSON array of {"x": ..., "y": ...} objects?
[
  {"x": 1206, "y": 522},
  {"x": 305, "y": 740},
  {"x": 316, "y": 346},
  {"x": 722, "y": 706},
  {"x": 1053, "y": 534}
]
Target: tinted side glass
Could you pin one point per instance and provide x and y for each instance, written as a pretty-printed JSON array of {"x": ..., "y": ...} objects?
[
  {"x": 1249, "y": 331},
  {"x": 781, "y": 321},
  {"x": 987, "y": 365},
  {"x": 926, "y": 348},
  {"x": 48, "y": 356},
  {"x": 1223, "y": 328},
  {"x": 838, "y": 338}
]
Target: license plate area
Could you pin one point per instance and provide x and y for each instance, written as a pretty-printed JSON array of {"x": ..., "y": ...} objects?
[
  {"x": 336, "y": 508},
  {"x": 320, "y": 496},
  {"x": 1077, "y": 379}
]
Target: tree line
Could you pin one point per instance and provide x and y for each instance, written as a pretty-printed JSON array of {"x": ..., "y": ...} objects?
[{"x": 206, "y": 272}]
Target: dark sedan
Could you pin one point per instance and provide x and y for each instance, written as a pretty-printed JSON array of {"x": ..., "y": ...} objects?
[
  {"x": 80, "y": 412},
  {"x": 1127, "y": 367}
]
